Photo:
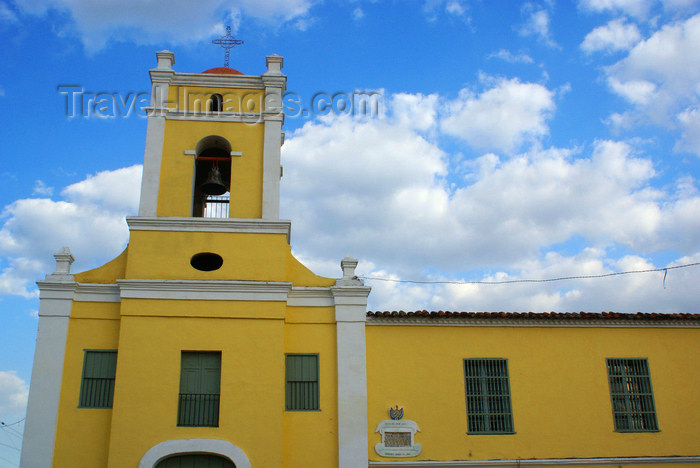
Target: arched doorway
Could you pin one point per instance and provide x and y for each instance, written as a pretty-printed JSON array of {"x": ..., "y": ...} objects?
[
  {"x": 179, "y": 447},
  {"x": 196, "y": 460}
]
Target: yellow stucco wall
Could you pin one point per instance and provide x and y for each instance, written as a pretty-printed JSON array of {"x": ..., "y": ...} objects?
[
  {"x": 252, "y": 361},
  {"x": 107, "y": 273},
  {"x": 261, "y": 257},
  {"x": 177, "y": 168},
  {"x": 82, "y": 434},
  {"x": 194, "y": 99},
  {"x": 312, "y": 330},
  {"x": 559, "y": 388}
]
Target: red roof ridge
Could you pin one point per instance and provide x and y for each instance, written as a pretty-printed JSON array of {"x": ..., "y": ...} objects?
[{"x": 222, "y": 71}]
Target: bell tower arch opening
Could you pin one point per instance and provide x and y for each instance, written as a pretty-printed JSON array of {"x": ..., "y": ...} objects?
[
  {"x": 215, "y": 103},
  {"x": 212, "y": 178}
]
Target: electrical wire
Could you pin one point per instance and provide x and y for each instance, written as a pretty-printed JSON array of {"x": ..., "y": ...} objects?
[{"x": 546, "y": 280}]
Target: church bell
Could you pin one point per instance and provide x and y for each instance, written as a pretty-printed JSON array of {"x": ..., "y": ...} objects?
[{"x": 214, "y": 185}]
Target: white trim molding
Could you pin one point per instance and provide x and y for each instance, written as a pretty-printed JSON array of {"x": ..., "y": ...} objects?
[
  {"x": 169, "y": 448},
  {"x": 153, "y": 154},
  {"x": 243, "y": 225},
  {"x": 310, "y": 296},
  {"x": 204, "y": 290},
  {"x": 539, "y": 462},
  {"x": 47, "y": 370},
  {"x": 350, "y": 298},
  {"x": 210, "y": 80},
  {"x": 96, "y": 292}
]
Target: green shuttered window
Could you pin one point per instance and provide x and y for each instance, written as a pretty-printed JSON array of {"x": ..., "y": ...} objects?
[
  {"x": 97, "y": 386},
  {"x": 301, "y": 393},
  {"x": 200, "y": 379},
  {"x": 631, "y": 395},
  {"x": 488, "y": 396}
]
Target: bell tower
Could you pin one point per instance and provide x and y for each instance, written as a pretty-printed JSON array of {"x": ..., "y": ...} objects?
[
  {"x": 206, "y": 337},
  {"x": 213, "y": 143}
]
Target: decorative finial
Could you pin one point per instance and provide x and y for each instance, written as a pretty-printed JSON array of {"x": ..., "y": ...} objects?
[{"x": 227, "y": 42}]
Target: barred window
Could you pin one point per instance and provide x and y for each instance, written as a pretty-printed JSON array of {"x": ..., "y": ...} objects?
[
  {"x": 631, "y": 395},
  {"x": 301, "y": 389},
  {"x": 200, "y": 378},
  {"x": 487, "y": 389},
  {"x": 97, "y": 386}
]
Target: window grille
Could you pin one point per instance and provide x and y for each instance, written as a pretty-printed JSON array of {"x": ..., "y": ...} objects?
[
  {"x": 631, "y": 395},
  {"x": 97, "y": 386},
  {"x": 216, "y": 206},
  {"x": 302, "y": 392},
  {"x": 200, "y": 378},
  {"x": 488, "y": 396}
]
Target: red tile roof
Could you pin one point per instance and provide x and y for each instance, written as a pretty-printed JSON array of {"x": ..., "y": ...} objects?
[
  {"x": 531, "y": 316},
  {"x": 222, "y": 71}
]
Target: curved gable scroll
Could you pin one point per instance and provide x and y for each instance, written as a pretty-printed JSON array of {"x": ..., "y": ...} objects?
[{"x": 184, "y": 446}]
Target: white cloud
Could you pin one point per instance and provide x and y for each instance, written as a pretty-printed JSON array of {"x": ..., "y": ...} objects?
[
  {"x": 13, "y": 395},
  {"x": 624, "y": 293},
  {"x": 615, "y": 36},
  {"x": 537, "y": 24},
  {"x": 636, "y": 8},
  {"x": 673, "y": 5},
  {"x": 455, "y": 8},
  {"x": 91, "y": 221},
  {"x": 501, "y": 118},
  {"x": 6, "y": 14},
  {"x": 690, "y": 137},
  {"x": 660, "y": 77},
  {"x": 509, "y": 57},
  {"x": 159, "y": 21},
  {"x": 40, "y": 188},
  {"x": 635, "y": 91},
  {"x": 415, "y": 111},
  {"x": 380, "y": 191},
  {"x": 358, "y": 14}
]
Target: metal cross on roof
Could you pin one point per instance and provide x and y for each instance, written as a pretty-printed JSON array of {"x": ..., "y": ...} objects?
[{"x": 228, "y": 43}]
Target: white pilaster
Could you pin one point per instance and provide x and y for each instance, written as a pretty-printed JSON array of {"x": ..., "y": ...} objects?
[
  {"x": 275, "y": 85},
  {"x": 155, "y": 132},
  {"x": 56, "y": 294},
  {"x": 350, "y": 298}
]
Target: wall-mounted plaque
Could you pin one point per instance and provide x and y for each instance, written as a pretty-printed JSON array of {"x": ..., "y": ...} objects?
[{"x": 397, "y": 436}]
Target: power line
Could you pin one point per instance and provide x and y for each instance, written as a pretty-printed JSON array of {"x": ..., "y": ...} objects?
[
  {"x": 3, "y": 424},
  {"x": 546, "y": 280}
]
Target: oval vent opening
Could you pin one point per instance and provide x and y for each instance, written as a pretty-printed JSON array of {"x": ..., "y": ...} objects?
[{"x": 206, "y": 261}]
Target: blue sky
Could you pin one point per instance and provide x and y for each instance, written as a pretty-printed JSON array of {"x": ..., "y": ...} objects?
[{"x": 516, "y": 140}]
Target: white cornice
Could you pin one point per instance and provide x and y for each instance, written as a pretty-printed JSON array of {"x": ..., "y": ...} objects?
[
  {"x": 56, "y": 289},
  {"x": 471, "y": 322},
  {"x": 94, "y": 292},
  {"x": 538, "y": 462},
  {"x": 350, "y": 295},
  {"x": 217, "y": 80},
  {"x": 310, "y": 296},
  {"x": 242, "y": 225},
  {"x": 245, "y": 117},
  {"x": 204, "y": 290}
]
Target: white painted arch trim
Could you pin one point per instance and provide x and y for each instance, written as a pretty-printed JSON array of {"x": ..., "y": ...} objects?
[
  {"x": 185, "y": 446},
  {"x": 539, "y": 462}
]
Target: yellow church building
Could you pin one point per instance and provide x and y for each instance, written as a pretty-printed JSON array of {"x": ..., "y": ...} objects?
[{"x": 206, "y": 344}]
